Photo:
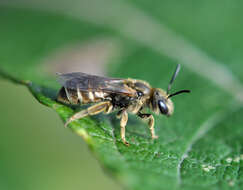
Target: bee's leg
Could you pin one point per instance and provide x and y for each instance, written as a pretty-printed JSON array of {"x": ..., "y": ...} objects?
[
  {"x": 109, "y": 109},
  {"x": 150, "y": 117},
  {"x": 124, "y": 117},
  {"x": 93, "y": 110}
]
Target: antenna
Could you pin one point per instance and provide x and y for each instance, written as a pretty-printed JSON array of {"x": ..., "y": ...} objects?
[
  {"x": 178, "y": 67},
  {"x": 179, "y": 92}
]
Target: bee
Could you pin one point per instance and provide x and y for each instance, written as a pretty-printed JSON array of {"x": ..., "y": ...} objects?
[{"x": 115, "y": 94}]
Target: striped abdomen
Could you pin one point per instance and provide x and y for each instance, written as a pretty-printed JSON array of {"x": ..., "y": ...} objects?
[{"x": 71, "y": 96}]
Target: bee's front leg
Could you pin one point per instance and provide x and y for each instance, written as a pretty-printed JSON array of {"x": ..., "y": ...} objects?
[
  {"x": 124, "y": 117},
  {"x": 150, "y": 117}
]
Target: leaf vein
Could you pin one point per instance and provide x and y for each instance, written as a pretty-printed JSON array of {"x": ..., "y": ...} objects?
[{"x": 202, "y": 130}]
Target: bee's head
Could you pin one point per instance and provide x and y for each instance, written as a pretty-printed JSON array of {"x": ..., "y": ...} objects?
[{"x": 161, "y": 102}]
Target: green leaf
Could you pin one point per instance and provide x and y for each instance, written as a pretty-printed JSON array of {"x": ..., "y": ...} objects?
[{"x": 200, "y": 146}]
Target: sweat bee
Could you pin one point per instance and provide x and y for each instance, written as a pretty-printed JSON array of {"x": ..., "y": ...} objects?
[{"x": 115, "y": 94}]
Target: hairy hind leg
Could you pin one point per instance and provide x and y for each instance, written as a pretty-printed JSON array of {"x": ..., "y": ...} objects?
[{"x": 92, "y": 110}]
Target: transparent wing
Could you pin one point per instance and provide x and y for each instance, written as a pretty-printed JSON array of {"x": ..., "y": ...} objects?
[{"x": 86, "y": 82}]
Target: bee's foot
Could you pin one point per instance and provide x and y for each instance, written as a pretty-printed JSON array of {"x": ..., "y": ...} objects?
[
  {"x": 155, "y": 137},
  {"x": 125, "y": 142},
  {"x": 67, "y": 122}
]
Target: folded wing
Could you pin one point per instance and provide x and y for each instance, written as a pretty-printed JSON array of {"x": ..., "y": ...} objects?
[{"x": 93, "y": 83}]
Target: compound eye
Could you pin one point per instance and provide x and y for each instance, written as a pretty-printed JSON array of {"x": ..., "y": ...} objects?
[
  {"x": 162, "y": 107},
  {"x": 139, "y": 94}
]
